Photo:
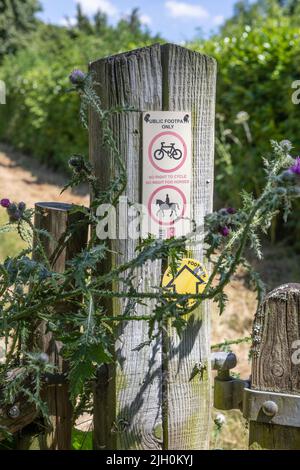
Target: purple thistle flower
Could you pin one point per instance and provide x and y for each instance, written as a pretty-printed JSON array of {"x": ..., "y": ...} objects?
[
  {"x": 15, "y": 216},
  {"x": 5, "y": 203},
  {"x": 231, "y": 211},
  {"x": 77, "y": 77},
  {"x": 14, "y": 212},
  {"x": 225, "y": 231},
  {"x": 22, "y": 206},
  {"x": 11, "y": 209},
  {"x": 296, "y": 167}
]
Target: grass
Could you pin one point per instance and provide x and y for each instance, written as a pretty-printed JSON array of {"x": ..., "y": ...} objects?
[
  {"x": 10, "y": 242},
  {"x": 233, "y": 435},
  {"x": 82, "y": 440}
]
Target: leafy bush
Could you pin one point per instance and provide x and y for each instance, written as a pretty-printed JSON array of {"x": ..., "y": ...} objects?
[
  {"x": 17, "y": 17},
  {"x": 10, "y": 242},
  {"x": 257, "y": 66},
  {"x": 259, "y": 58},
  {"x": 38, "y": 117}
]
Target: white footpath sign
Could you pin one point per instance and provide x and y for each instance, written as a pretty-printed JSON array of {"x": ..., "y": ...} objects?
[{"x": 167, "y": 173}]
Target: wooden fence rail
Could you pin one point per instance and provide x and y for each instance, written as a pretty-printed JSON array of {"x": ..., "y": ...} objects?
[
  {"x": 56, "y": 219},
  {"x": 270, "y": 399},
  {"x": 275, "y": 415}
]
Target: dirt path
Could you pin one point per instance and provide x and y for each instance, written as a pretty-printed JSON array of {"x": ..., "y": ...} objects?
[{"x": 23, "y": 179}]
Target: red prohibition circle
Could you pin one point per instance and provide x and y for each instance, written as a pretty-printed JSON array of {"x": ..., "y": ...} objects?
[
  {"x": 153, "y": 196},
  {"x": 150, "y": 150}
]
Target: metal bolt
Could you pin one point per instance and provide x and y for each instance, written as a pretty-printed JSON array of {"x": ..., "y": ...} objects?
[
  {"x": 270, "y": 408},
  {"x": 223, "y": 361},
  {"x": 44, "y": 358},
  {"x": 14, "y": 412}
]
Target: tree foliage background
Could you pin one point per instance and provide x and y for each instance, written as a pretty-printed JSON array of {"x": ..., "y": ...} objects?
[
  {"x": 17, "y": 17},
  {"x": 258, "y": 53},
  {"x": 39, "y": 115}
]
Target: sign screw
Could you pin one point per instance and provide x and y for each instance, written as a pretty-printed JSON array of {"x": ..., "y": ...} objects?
[
  {"x": 14, "y": 412},
  {"x": 270, "y": 408}
]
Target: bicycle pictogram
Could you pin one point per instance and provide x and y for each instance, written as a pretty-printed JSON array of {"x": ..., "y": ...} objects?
[{"x": 168, "y": 150}]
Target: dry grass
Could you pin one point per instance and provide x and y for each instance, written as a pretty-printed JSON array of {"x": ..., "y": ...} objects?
[{"x": 24, "y": 179}]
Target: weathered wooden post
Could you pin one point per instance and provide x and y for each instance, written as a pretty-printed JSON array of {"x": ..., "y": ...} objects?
[
  {"x": 148, "y": 400},
  {"x": 56, "y": 219},
  {"x": 272, "y": 405}
]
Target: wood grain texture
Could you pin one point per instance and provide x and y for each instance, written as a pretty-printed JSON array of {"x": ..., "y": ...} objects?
[
  {"x": 155, "y": 78},
  {"x": 190, "y": 80},
  {"x": 56, "y": 219},
  {"x": 275, "y": 333},
  {"x": 127, "y": 401}
]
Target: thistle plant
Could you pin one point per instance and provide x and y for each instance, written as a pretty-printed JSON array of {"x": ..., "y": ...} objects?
[
  {"x": 30, "y": 289},
  {"x": 219, "y": 423}
]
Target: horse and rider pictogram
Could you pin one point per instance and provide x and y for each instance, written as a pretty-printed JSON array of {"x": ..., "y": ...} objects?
[{"x": 167, "y": 206}]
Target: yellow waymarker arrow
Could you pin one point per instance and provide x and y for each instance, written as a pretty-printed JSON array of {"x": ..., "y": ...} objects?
[{"x": 191, "y": 278}]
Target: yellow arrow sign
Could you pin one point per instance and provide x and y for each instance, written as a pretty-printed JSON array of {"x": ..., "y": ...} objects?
[{"x": 191, "y": 278}]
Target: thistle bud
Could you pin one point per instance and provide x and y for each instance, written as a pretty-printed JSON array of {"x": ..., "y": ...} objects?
[
  {"x": 220, "y": 420},
  {"x": 77, "y": 77}
]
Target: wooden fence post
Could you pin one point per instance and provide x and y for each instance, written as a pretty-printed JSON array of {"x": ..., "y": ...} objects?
[
  {"x": 56, "y": 218},
  {"x": 276, "y": 368},
  {"x": 130, "y": 409}
]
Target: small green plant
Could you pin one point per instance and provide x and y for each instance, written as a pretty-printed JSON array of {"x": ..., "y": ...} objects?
[
  {"x": 219, "y": 423},
  {"x": 82, "y": 440},
  {"x": 30, "y": 289}
]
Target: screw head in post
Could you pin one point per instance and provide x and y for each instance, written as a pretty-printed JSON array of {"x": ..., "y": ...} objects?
[
  {"x": 270, "y": 408},
  {"x": 43, "y": 358},
  {"x": 14, "y": 412}
]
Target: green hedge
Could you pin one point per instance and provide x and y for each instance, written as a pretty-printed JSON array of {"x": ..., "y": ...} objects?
[
  {"x": 40, "y": 117},
  {"x": 257, "y": 67}
]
